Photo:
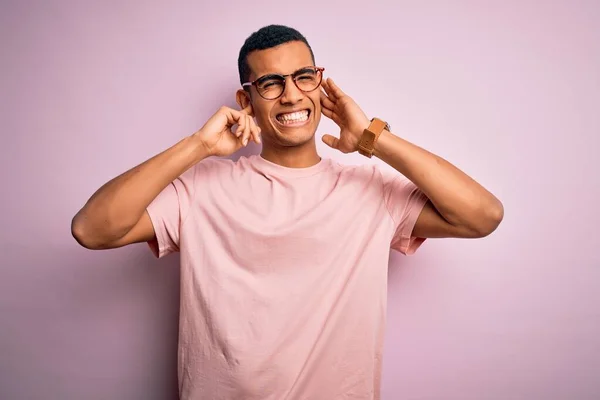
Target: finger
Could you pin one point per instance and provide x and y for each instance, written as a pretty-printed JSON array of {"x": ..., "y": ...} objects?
[
  {"x": 327, "y": 112},
  {"x": 329, "y": 91},
  {"x": 326, "y": 88},
  {"x": 232, "y": 115},
  {"x": 326, "y": 101},
  {"x": 331, "y": 141},
  {"x": 247, "y": 130},
  {"x": 335, "y": 89},
  {"x": 254, "y": 128},
  {"x": 241, "y": 121}
]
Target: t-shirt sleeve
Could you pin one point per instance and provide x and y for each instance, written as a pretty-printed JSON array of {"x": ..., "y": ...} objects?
[
  {"x": 404, "y": 201},
  {"x": 168, "y": 212}
]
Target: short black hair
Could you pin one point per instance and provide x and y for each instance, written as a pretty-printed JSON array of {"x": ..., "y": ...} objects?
[{"x": 266, "y": 38}]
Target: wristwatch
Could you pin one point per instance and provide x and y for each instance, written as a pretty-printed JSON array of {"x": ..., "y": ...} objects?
[{"x": 370, "y": 136}]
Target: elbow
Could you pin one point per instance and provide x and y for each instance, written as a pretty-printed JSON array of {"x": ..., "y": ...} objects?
[
  {"x": 95, "y": 235},
  {"x": 78, "y": 231},
  {"x": 81, "y": 232},
  {"x": 490, "y": 219}
]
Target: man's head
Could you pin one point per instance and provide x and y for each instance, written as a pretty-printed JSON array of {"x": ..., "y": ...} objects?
[{"x": 287, "y": 110}]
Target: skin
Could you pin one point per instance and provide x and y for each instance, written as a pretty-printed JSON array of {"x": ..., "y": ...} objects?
[
  {"x": 458, "y": 206},
  {"x": 287, "y": 146},
  {"x": 115, "y": 215}
]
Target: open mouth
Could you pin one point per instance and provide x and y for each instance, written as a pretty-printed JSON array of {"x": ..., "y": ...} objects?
[{"x": 295, "y": 118}]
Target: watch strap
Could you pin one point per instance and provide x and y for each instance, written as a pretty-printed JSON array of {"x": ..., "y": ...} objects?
[{"x": 366, "y": 145}]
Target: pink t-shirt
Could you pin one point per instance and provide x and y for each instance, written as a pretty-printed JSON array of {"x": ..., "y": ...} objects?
[{"x": 283, "y": 275}]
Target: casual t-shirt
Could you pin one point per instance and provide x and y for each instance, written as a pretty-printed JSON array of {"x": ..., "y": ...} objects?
[{"x": 283, "y": 275}]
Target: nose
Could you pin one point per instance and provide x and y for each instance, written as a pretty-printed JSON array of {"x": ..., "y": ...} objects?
[{"x": 291, "y": 93}]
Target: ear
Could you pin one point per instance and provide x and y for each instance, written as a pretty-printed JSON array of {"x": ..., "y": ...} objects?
[{"x": 242, "y": 98}]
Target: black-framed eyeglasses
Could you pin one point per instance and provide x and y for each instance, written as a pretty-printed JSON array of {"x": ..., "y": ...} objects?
[{"x": 272, "y": 86}]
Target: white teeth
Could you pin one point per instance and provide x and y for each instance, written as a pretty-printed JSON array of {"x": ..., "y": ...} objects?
[{"x": 298, "y": 116}]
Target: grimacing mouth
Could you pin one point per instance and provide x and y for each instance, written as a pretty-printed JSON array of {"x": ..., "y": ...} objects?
[{"x": 278, "y": 115}]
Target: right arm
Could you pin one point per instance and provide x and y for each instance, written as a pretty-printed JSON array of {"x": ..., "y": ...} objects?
[{"x": 116, "y": 213}]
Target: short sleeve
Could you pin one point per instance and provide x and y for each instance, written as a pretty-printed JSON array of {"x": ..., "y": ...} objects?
[
  {"x": 404, "y": 201},
  {"x": 168, "y": 212}
]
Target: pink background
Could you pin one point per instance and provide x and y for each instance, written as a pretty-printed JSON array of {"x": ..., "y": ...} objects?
[{"x": 509, "y": 91}]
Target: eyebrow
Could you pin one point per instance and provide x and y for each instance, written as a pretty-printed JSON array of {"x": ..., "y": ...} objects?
[
  {"x": 304, "y": 69},
  {"x": 269, "y": 76}
]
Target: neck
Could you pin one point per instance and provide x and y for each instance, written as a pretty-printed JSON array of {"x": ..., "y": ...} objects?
[{"x": 301, "y": 156}]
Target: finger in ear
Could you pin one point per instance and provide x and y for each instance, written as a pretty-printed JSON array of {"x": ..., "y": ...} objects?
[{"x": 242, "y": 98}]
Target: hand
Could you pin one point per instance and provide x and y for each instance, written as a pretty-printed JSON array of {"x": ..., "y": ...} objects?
[
  {"x": 217, "y": 135},
  {"x": 344, "y": 111}
]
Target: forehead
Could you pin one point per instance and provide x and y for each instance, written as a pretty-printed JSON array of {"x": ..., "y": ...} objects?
[{"x": 283, "y": 59}]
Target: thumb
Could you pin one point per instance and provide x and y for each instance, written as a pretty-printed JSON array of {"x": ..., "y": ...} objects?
[{"x": 331, "y": 141}]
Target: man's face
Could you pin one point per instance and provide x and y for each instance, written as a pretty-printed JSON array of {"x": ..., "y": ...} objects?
[{"x": 292, "y": 118}]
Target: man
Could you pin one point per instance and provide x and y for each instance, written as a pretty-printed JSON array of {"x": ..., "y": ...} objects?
[{"x": 284, "y": 255}]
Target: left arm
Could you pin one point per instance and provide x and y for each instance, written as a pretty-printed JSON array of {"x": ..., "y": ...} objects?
[{"x": 458, "y": 206}]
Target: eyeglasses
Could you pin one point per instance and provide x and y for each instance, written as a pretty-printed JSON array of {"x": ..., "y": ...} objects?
[{"x": 272, "y": 86}]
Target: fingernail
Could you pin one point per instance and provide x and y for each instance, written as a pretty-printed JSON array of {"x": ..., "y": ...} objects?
[{"x": 245, "y": 142}]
